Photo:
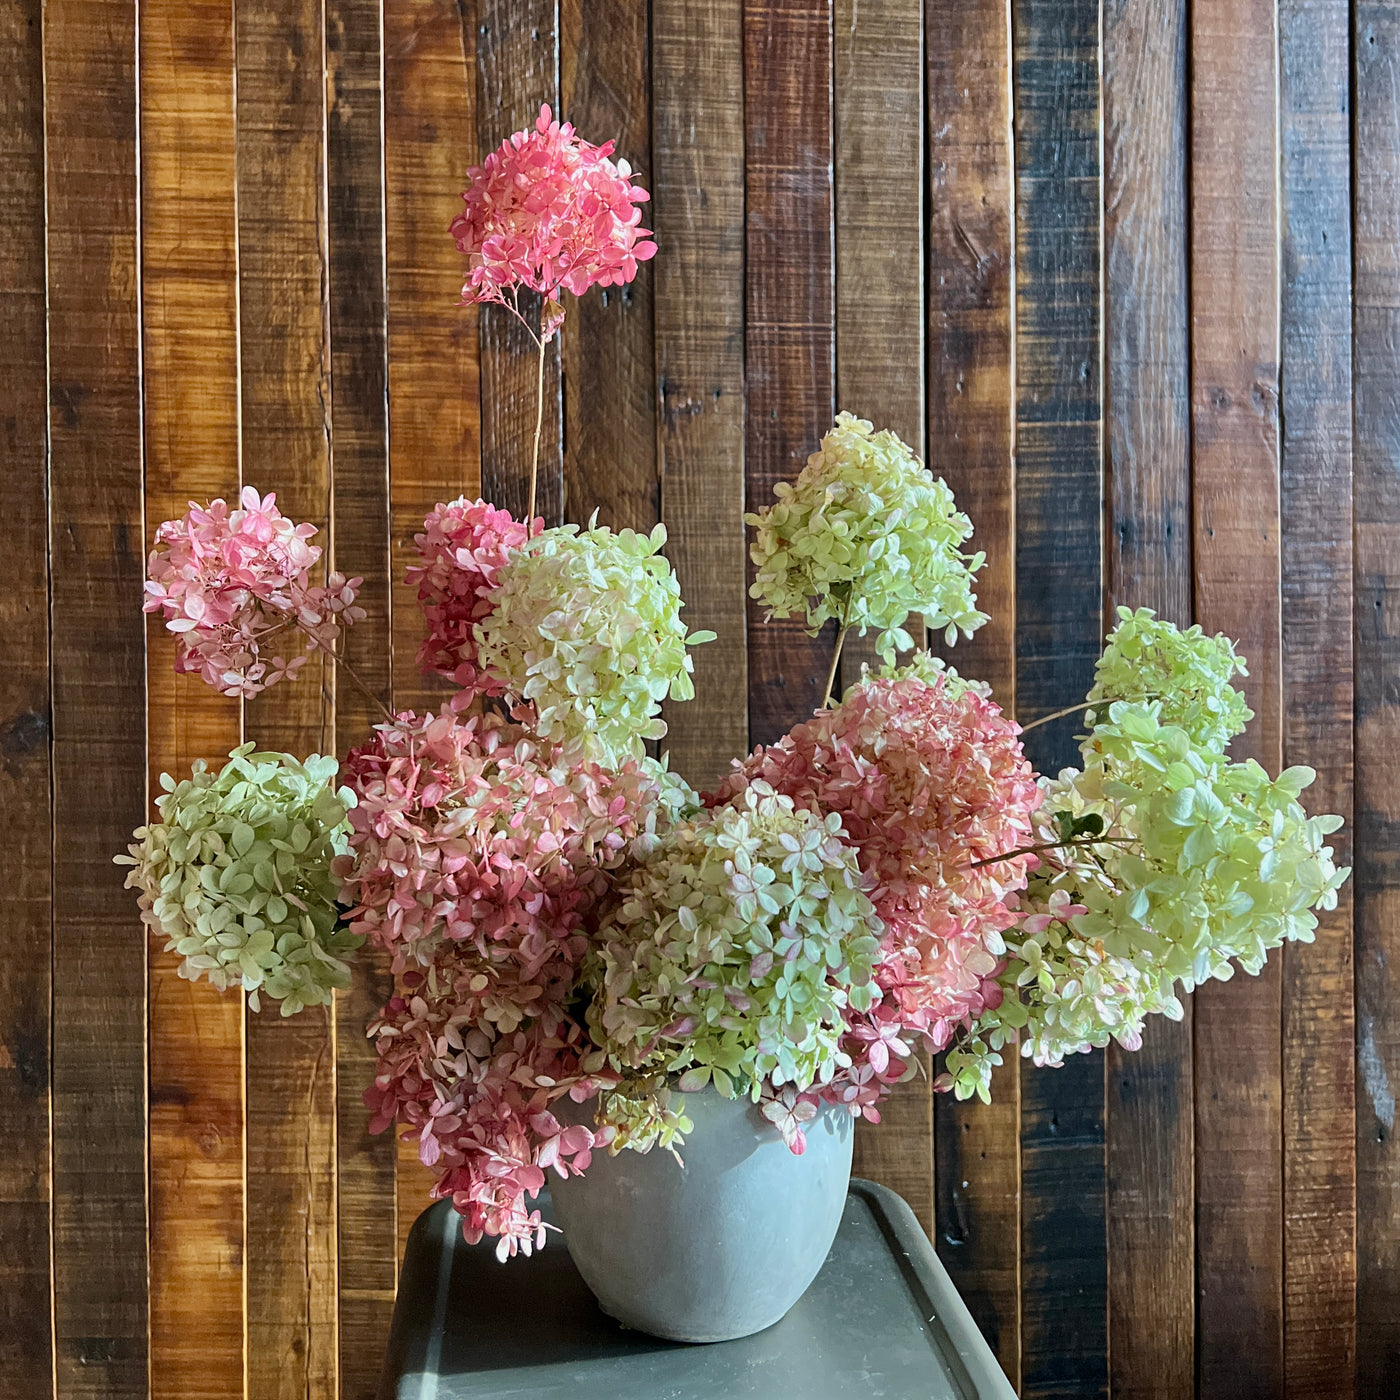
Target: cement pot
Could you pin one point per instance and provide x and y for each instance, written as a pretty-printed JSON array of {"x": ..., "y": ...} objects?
[{"x": 718, "y": 1248}]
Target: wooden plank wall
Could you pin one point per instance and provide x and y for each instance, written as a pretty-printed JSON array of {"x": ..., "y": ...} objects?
[{"x": 1126, "y": 271}]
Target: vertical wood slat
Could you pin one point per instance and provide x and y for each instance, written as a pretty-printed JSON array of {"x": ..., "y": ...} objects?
[
  {"x": 970, "y": 425},
  {"x": 517, "y": 69},
  {"x": 26, "y": 1194},
  {"x": 430, "y": 140},
  {"x": 1319, "y": 1099},
  {"x": 608, "y": 355},
  {"x": 1376, "y": 49},
  {"x": 284, "y": 390},
  {"x": 1151, "y": 1244},
  {"x": 1234, "y": 371},
  {"x": 878, "y": 94},
  {"x": 190, "y": 336},
  {"x": 789, "y": 333},
  {"x": 697, "y": 212},
  {"x": 366, "y": 1207},
  {"x": 100, "y": 1302},
  {"x": 1058, "y": 604}
]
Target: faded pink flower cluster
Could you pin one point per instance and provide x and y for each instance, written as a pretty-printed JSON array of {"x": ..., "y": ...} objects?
[
  {"x": 477, "y": 1100},
  {"x": 463, "y": 548},
  {"x": 548, "y": 211},
  {"x": 928, "y": 779},
  {"x": 228, "y": 581}
]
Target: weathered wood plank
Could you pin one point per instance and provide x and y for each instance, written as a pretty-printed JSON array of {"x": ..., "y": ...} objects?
[
  {"x": 880, "y": 376},
  {"x": 1376, "y": 47},
  {"x": 517, "y": 69},
  {"x": 971, "y": 414},
  {"x": 430, "y": 88},
  {"x": 1234, "y": 372},
  {"x": 100, "y": 1307},
  {"x": 1319, "y": 1097},
  {"x": 26, "y": 1185},
  {"x": 1147, "y": 409},
  {"x": 367, "y": 1237},
  {"x": 790, "y": 332},
  {"x": 285, "y": 390},
  {"x": 1059, "y": 566},
  {"x": 190, "y": 306},
  {"x": 608, "y": 355},
  {"x": 698, "y": 214}
]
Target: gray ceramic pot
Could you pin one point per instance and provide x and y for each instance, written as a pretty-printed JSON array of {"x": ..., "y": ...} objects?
[{"x": 721, "y": 1247}]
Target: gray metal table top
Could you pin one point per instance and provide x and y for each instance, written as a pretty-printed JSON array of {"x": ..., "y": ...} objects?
[{"x": 882, "y": 1322}]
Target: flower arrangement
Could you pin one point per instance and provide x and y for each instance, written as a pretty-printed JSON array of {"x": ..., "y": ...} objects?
[{"x": 572, "y": 928}]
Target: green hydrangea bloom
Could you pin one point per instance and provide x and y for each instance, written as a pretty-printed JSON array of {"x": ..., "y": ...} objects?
[
  {"x": 1186, "y": 671},
  {"x": 732, "y": 952},
  {"x": 586, "y": 625},
  {"x": 867, "y": 536},
  {"x": 931, "y": 670},
  {"x": 236, "y": 876}
]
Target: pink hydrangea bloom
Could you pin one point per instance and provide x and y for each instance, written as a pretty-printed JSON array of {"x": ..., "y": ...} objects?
[
  {"x": 463, "y": 548},
  {"x": 227, "y": 581},
  {"x": 477, "y": 1099},
  {"x": 928, "y": 779},
  {"x": 548, "y": 211}
]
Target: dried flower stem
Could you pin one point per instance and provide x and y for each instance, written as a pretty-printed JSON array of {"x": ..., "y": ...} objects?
[
  {"x": 349, "y": 671},
  {"x": 539, "y": 424},
  {"x": 1060, "y": 714},
  {"x": 1052, "y": 846},
  {"x": 836, "y": 655}
]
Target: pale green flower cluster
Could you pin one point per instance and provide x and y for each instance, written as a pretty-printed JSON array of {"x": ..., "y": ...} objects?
[
  {"x": 642, "y": 1115},
  {"x": 1187, "y": 671},
  {"x": 1176, "y": 864},
  {"x": 867, "y": 536},
  {"x": 733, "y": 952},
  {"x": 930, "y": 670},
  {"x": 237, "y": 876},
  {"x": 586, "y": 625}
]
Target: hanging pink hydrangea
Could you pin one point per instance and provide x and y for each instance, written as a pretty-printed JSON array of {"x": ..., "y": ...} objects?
[
  {"x": 463, "y": 548},
  {"x": 228, "y": 581},
  {"x": 476, "y": 1099},
  {"x": 928, "y": 779},
  {"x": 548, "y": 211}
]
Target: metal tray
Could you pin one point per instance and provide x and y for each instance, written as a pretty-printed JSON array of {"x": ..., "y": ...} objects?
[{"x": 882, "y": 1322}]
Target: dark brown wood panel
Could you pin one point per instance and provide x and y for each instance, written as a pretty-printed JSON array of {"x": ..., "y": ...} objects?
[
  {"x": 99, "y": 1297},
  {"x": 26, "y": 1185},
  {"x": 971, "y": 418},
  {"x": 1234, "y": 371},
  {"x": 1147, "y": 423},
  {"x": 697, "y": 211},
  {"x": 1376, "y": 417},
  {"x": 789, "y": 349}
]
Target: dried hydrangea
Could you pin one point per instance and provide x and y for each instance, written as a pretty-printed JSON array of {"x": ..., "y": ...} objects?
[
  {"x": 547, "y": 211},
  {"x": 731, "y": 955},
  {"x": 927, "y": 779},
  {"x": 236, "y": 876},
  {"x": 585, "y": 626},
  {"x": 462, "y": 550},
  {"x": 227, "y": 582},
  {"x": 866, "y": 536},
  {"x": 1187, "y": 672},
  {"x": 474, "y": 832}
]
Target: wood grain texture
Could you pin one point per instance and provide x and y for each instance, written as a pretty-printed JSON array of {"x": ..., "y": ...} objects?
[
  {"x": 971, "y": 419},
  {"x": 1376, "y": 418},
  {"x": 26, "y": 1186},
  {"x": 698, "y": 215},
  {"x": 789, "y": 345},
  {"x": 608, "y": 354},
  {"x": 367, "y": 1235},
  {"x": 190, "y": 339},
  {"x": 1147, "y": 422},
  {"x": 285, "y": 392},
  {"x": 99, "y": 1295},
  {"x": 1234, "y": 372},
  {"x": 1319, "y": 1024},
  {"x": 878, "y": 94},
  {"x": 517, "y": 69},
  {"x": 1059, "y": 562}
]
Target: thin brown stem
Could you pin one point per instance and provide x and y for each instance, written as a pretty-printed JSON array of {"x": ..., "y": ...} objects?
[
  {"x": 836, "y": 655},
  {"x": 1052, "y": 846},
  {"x": 1060, "y": 714},
  {"x": 539, "y": 424},
  {"x": 349, "y": 671}
]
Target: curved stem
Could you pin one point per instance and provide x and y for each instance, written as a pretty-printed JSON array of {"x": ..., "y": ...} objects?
[
  {"x": 1051, "y": 846},
  {"x": 836, "y": 655},
  {"x": 1060, "y": 714}
]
